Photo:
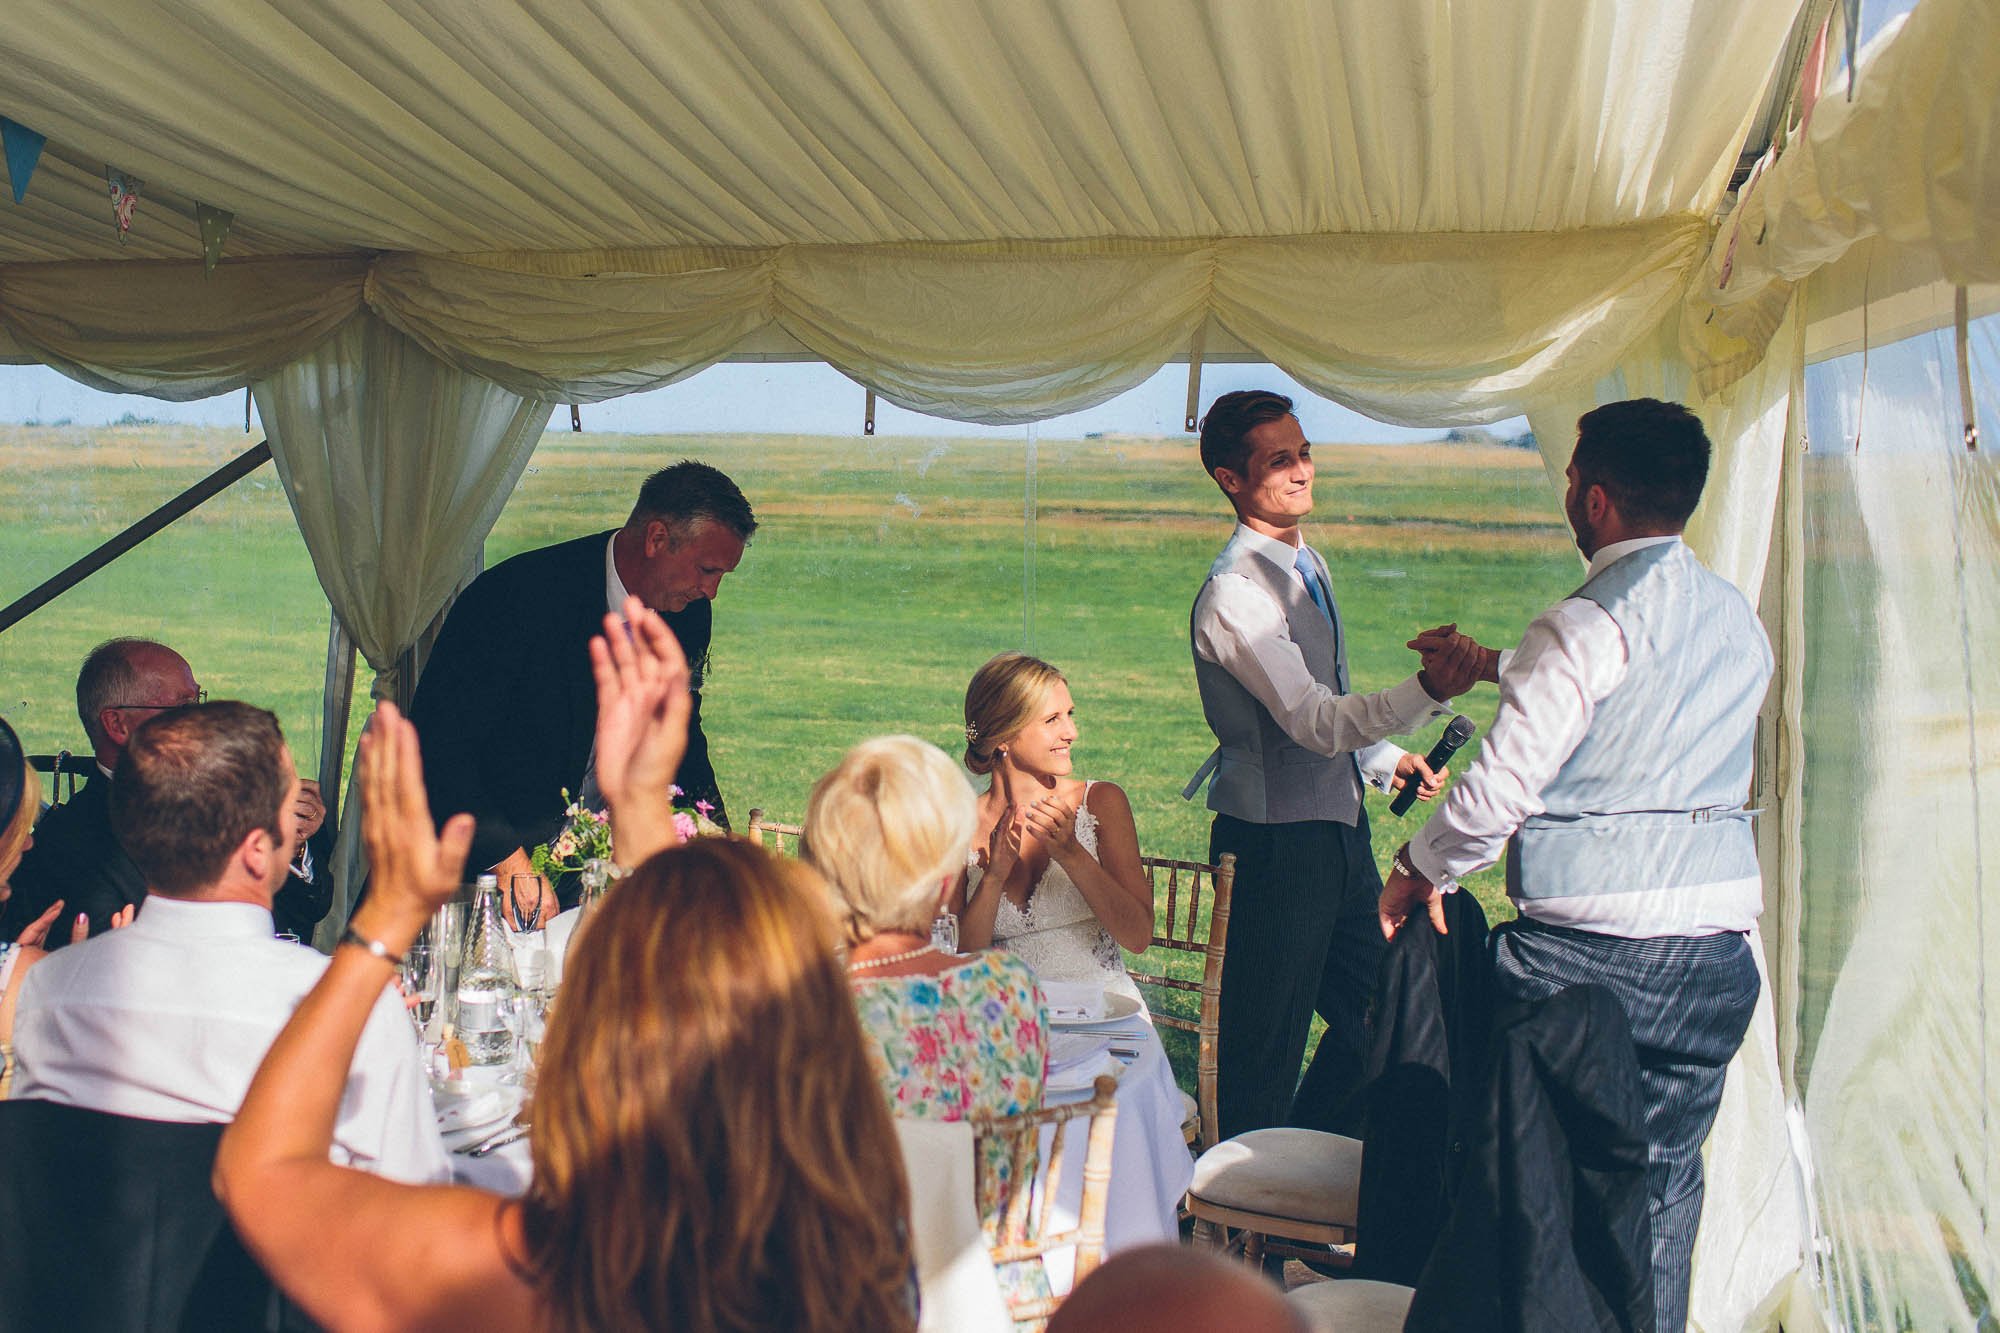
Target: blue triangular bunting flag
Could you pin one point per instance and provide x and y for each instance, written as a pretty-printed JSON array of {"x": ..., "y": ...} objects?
[{"x": 24, "y": 149}]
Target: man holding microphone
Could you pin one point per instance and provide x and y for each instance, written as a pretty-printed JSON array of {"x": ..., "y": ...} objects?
[{"x": 1615, "y": 776}]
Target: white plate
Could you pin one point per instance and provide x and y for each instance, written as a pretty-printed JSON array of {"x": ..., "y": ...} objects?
[{"x": 1117, "y": 1008}]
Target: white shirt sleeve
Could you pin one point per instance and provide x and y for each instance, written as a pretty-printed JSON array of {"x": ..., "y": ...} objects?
[
  {"x": 1378, "y": 764},
  {"x": 1239, "y": 628},
  {"x": 1571, "y": 656},
  {"x": 387, "y": 1122}
]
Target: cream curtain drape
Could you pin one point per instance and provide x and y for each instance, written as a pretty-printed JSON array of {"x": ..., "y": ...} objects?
[
  {"x": 1440, "y": 329},
  {"x": 396, "y": 466},
  {"x": 1912, "y": 161}
]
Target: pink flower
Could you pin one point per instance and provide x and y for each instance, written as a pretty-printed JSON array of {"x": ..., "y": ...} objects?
[
  {"x": 685, "y": 826},
  {"x": 565, "y": 847},
  {"x": 674, "y": 789},
  {"x": 706, "y": 808}
]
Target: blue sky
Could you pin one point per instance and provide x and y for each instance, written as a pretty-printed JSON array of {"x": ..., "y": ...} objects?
[{"x": 792, "y": 400}]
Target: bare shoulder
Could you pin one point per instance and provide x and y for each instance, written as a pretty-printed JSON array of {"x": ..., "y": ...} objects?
[{"x": 1107, "y": 800}]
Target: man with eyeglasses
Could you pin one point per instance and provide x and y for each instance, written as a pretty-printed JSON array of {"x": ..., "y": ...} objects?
[{"x": 76, "y": 857}]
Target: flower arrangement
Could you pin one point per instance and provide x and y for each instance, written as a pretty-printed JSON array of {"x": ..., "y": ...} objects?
[{"x": 586, "y": 836}]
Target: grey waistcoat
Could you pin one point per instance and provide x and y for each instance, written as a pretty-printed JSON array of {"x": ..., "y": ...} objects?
[
  {"x": 1653, "y": 797},
  {"x": 1262, "y": 776}
]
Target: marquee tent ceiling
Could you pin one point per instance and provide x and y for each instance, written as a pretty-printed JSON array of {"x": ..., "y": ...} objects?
[{"x": 331, "y": 126}]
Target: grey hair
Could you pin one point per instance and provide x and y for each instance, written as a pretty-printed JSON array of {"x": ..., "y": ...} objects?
[{"x": 108, "y": 677}]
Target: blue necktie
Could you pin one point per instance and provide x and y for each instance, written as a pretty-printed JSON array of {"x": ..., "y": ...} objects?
[{"x": 1303, "y": 562}]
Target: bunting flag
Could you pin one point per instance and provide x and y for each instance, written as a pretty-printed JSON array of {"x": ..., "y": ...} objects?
[
  {"x": 24, "y": 150},
  {"x": 214, "y": 224},
  {"x": 124, "y": 198},
  {"x": 1850, "y": 12}
]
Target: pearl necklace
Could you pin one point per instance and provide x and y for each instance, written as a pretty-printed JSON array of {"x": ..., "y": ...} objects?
[{"x": 887, "y": 959}]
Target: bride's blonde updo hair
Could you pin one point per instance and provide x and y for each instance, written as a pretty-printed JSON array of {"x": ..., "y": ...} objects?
[{"x": 1004, "y": 696}]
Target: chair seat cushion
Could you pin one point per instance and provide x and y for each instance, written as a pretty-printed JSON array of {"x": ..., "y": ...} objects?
[
  {"x": 1353, "y": 1305},
  {"x": 1190, "y": 1118},
  {"x": 1303, "y": 1174}
]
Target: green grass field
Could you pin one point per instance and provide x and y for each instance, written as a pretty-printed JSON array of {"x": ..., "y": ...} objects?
[{"x": 886, "y": 570}]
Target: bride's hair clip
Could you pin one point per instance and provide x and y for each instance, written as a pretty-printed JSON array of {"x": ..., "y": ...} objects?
[{"x": 972, "y": 733}]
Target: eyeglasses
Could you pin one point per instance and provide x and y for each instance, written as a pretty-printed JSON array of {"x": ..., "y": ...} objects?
[{"x": 200, "y": 697}]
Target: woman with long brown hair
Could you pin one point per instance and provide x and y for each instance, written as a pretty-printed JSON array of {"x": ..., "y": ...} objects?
[{"x": 710, "y": 1148}]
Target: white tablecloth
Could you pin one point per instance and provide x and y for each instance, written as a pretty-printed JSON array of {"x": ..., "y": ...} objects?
[{"x": 1150, "y": 1165}]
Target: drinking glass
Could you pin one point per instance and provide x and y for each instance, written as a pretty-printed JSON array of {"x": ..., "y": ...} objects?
[
  {"x": 944, "y": 933},
  {"x": 420, "y": 983},
  {"x": 523, "y": 893}
]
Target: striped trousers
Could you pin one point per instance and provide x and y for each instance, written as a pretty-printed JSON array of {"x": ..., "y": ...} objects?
[{"x": 1688, "y": 999}]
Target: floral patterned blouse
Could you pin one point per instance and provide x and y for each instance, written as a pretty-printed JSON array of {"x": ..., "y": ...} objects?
[{"x": 967, "y": 1041}]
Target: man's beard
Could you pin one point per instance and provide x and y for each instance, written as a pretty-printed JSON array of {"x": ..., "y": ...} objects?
[{"x": 1579, "y": 521}]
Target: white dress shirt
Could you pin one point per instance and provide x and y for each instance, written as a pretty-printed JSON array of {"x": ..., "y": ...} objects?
[
  {"x": 169, "y": 1018},
  {"x": 1239, "y": 628},
  {"x": 614, "y": 587},
  {"x": 1571, "y": 657}
]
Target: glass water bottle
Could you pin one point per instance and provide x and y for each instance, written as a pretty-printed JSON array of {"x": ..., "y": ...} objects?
[{"x": 486, "y": 980}]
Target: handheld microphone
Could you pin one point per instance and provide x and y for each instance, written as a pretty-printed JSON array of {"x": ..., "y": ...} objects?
[{"x": 1456, "y": 733}]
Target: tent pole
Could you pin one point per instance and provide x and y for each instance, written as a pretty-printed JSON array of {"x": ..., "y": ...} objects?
[{"x": 185, "y": 503}]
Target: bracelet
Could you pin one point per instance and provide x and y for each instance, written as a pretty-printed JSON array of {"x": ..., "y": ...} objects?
[
  {"x": 375, "y": 948},
  {"x": 1400, "y": 863}
]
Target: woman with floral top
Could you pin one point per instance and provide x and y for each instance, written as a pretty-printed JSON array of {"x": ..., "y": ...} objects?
[{"x": 951, "y": 1036}]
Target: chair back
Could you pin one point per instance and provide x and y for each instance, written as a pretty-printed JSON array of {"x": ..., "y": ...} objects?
[
  {"x": 111, "y": 1225},
  {"x": 1021, "y": 1220},
  {"x": 63, "y": 769},
  {"x": 769, "y": 832},
  {"x": 1187, "y": 933}
]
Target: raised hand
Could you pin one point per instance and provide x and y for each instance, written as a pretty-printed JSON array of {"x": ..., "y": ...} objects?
[
  {"x": 38, "y": 929},
  {"x": 413, "y": 867},
  {"x": 1416, "y": 766},
  {"x": 643, "y": 707}
]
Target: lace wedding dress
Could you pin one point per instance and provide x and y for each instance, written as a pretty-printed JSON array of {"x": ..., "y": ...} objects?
[{"x": 1057, "y": 934}]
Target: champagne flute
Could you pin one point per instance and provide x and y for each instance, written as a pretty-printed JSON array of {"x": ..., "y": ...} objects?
[{"x": 419, "y": 975}]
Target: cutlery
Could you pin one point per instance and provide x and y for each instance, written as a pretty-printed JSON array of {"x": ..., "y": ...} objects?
[{"x": 500, "y": 1140}]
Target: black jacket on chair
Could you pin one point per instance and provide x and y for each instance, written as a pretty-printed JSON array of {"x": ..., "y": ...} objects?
[
  {"x": 1550, "y": 1232},
  {"x": 507, "y": 709},
  {"x": 1426, "y": 1066},
  {"x": 110, "y": 1225}
]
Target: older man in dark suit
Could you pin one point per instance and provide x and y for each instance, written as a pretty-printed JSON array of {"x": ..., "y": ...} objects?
[
  {"x": 507, "y": 707},
  {"x": 77, "y": 857}
]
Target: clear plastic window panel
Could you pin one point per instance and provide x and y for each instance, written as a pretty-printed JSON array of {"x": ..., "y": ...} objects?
[{"x": 1901, "y": 828}]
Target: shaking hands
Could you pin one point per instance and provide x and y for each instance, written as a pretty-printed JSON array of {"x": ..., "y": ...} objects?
[{"x": 1452, "y": 662}]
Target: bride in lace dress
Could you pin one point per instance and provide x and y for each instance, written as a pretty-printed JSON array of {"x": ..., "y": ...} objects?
[{"x": 1054, "y": 876}]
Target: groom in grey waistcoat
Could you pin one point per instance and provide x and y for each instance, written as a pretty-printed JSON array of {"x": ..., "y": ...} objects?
[
  {"x": 1293, "y": 751},
  {"x": 1615, "y": 776}
]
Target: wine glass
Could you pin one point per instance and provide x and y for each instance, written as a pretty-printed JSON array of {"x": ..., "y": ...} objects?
[
  {"x": 524, "y": 898},
  {"x": 419, "y": 976}
]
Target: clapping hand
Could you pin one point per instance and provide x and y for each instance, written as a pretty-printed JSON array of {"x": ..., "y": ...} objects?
[
  {"x": 310, "y": 808},
  {"x": 37, "y": 932},
  {"x": 414, "y": 867},
  {"x": 643, "y": 707},
  {"x": 1003, "y": 846},
  {"x": 1054, "y": 821}
]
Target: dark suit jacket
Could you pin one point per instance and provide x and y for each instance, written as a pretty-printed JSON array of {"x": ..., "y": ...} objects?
[
  {"x": 1550, "y": 1231},
  {"x": 1427, "y": 1046},
  {"x": 506, "y": 708},
  {"x": 77, "y": 858}
]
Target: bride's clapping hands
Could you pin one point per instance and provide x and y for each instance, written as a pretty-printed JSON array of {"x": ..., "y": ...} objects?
[{"x": 1053, "y": 820}]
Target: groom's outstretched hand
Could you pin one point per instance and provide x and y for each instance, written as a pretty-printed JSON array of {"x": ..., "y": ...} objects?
[{"x": 1452, "y": 662}]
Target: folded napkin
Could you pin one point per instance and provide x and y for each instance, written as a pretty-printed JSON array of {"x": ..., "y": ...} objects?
[
  {"x": 1078, "y": 1077},
  {"x": 466, "y": 1121},
  {"x": 1068, "y": 1049},
  {"x": 1073, "y": 1001}
]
